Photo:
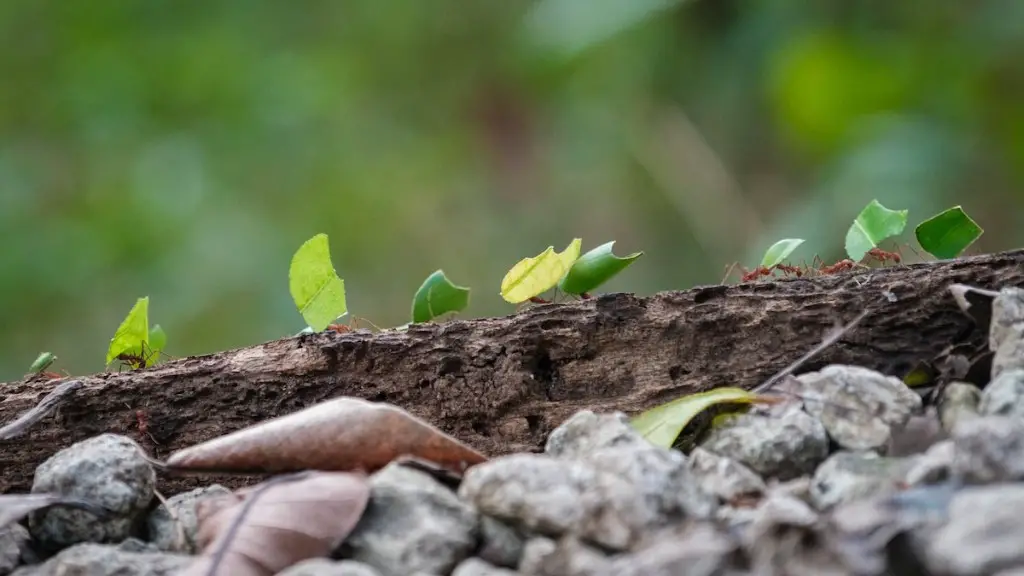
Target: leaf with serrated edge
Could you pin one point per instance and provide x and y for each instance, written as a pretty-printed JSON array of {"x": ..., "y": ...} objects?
[
  {"x": 595, "y": 268},
  {"x": 318, "y": 292},
  {"x": 533, "y": 276},
  {"x": 780, "y": 251},
  {"x": 662, "y": 424},
  {"x": 874, "y": 224}
]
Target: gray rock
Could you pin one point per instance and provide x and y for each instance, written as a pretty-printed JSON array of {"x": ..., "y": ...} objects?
[
  {"x": 784, "y": 444},
  {"x": 960, "y": 401},
  {"x": 856, "y": 405},
  {"x": 13, "y": 541},
  {"x": 1006, "y": 332},
  {"x": 785, "y": 539},
  {"x": 983, "y": 533},
  {"x": 586, "y": 432},
  {"x": 695, "y": 549},
  {"x": 107, "y": 470},
  {"x": 327, "y": 567},
  {"x": 478, "y": 567},
  {"x": 989, "y": 449},
  {"x": 412, "y": 523},
  {"x": 501, "y": 544},
  {"x": 934, "y": 466},
  {"x": 164, "y": 531},
  {"x": 105, "y": 560},
  {"x": 1004, "y": 396},
  {"x": 724, "y": 477},
  {"x": 554, "y": 497},
  {"x": 847, "y": 476},
  {"x": 566, "y": 557}
]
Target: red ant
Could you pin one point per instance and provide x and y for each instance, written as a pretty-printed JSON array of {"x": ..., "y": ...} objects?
[
  {"x": 788, "y": 269},
  {"x": 884, "y": 256},
  {"x": 142, "y": 423},
  {"x": 840, "y": 266},
  {"x": 343, "y": 328}
]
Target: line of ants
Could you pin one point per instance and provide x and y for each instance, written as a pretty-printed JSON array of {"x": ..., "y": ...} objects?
[{"x": 817, "y": 267}]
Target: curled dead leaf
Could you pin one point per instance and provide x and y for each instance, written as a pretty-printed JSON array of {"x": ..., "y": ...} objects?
[
  {"x": 341, "y": 434},
  {"x": 264, "y": 529}
]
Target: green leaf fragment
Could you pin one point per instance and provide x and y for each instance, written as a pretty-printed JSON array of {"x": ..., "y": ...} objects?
[
  {"x": 437, "y": 296},
  {"x": 42, "y": 362},
  {"x": 662, "y": 424},
  {"x": 133, "y": 332},
  {"x": 874, "y": 224},
  {"x": 318, "y": 292},
  {"x": 594, "y": 268},
  {"x": 535, "y": 275},
  {"x": 948, "y": 233},
  {"x": 157, "y": 341},
  {"x": 780, "y": 251}
]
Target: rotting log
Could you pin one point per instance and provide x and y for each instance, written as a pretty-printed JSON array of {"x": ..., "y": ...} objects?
[{"x": 502, "y": 384}]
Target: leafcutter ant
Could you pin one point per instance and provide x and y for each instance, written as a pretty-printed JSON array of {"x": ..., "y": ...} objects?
[
  {"x": 884, "y": 256},
  {"x": 351, "y": 326}
]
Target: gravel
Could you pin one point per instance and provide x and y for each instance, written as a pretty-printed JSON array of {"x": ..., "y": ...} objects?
[{"x": 811, "y": 485}]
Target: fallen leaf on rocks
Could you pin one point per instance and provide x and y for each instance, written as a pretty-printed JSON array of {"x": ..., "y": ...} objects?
[
  {"x": 14, "y": 507},
  {"x": 342, "y": 434},
  {"x": 264, "y": 529},
  {"x": 662, "y": 424}
]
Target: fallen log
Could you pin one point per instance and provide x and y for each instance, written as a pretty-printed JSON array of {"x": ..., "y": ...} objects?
[{"x": 502, "y": 384}]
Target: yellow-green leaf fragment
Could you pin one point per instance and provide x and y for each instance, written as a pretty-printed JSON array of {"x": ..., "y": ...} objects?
[
  {"x": 948, "y": 233},
  {"x": 595, "y": 268},
  {"x": 874, "y": 224},
  {"x": 779, "y": 251},
  {"x": 437, "y": 296},
  {"x": 42, "y": 362},
  {"x": 318, "y": 292},
  {"x": 133, "y": 332},
  {"x": 533, "y": 276},
  {"x": 662, "y": 424}
]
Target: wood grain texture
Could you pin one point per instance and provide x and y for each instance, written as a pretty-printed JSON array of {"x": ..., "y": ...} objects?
[{"x": 502, "y": 384}]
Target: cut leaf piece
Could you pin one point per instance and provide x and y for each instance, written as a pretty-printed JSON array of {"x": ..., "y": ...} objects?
[
  {"x": 340, "y": 434},
  {"x": 261, "y": 530},
  {"x": 133, "y": 332},
  {"x": 948, "y": 233},
  {"x": 594, "y": 268},
  {"x": 874, "y": 224},
  {"x": 662, "y": 424},
  {"x": 42, "y": 362},
  {"x": 436, "y": 296},
  {"x": 780, "y": 251},
  {"x": 157, "y": 341},
  {"x": 317, "y": 290},
  {"x": 534, "y": 276}
]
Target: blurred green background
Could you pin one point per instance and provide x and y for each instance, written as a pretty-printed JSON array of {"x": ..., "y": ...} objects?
[{"x": 184, "y": 150}]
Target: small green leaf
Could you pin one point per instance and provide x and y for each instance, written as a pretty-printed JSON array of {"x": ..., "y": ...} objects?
[
  {"x": 595, "y": 268},
  {"x": 157, "y": 343},
  {"x": 436, "y": 296},
  {"x": 780, "y": 251},
  {"x": 133, "y": 332},
  {"x": 662, "y": 424},
  {"x": 42, "y": 362},
  {"x": 922, "y": 374},
  {"x": 948, "y": 233},
  {"x": 318, "y": 292},
  {"x": 533, "y": 276},
  {"x": 874, "y": 224}
]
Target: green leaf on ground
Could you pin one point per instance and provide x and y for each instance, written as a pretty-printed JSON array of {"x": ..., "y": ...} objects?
[
  {"x": 436, "y": 296},
  {"x": 42, "y": 362},
  {"x": 874, "y": 224},
  {"x": 662, "y": 424},
  {"x": 595, "y": 268},
  {"x": 534, "y": 276},
  {"x": 948, "y": 233},
  {"x": 318, "y": 292},
  {"x": 780, "y": 251},
  {"x": 133, "y": 332}
]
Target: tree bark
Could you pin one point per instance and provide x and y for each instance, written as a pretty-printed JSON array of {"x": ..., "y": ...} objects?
[{"x": 502, "y": 384}]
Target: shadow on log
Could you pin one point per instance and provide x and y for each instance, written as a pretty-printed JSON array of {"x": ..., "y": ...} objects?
[{"x": 502, "y": 384}]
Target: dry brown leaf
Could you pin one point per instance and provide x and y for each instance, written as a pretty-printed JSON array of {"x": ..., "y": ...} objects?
[
  {"x": 340, "y": 434},
  {"x": 285, "y": 520},
  {"x": 14, "y": 507}
]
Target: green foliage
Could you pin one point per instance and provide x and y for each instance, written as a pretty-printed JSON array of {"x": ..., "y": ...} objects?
[
  {"x": 317, "y": 290},
  {"x": 779, "y": 251},
  {"x": 132, "y": 336},
  {"x": 42, "y": 362},
  {"x": 948, "y": 233},
  {"x": 534, "y": 276},
  {"x": 595, "y": 268},
  {"x": 874, "y": 224},
  {"x": 662, "y": 424},
  {"x": 157, "y": 340},
  {"x": 437, "y": 296}
]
